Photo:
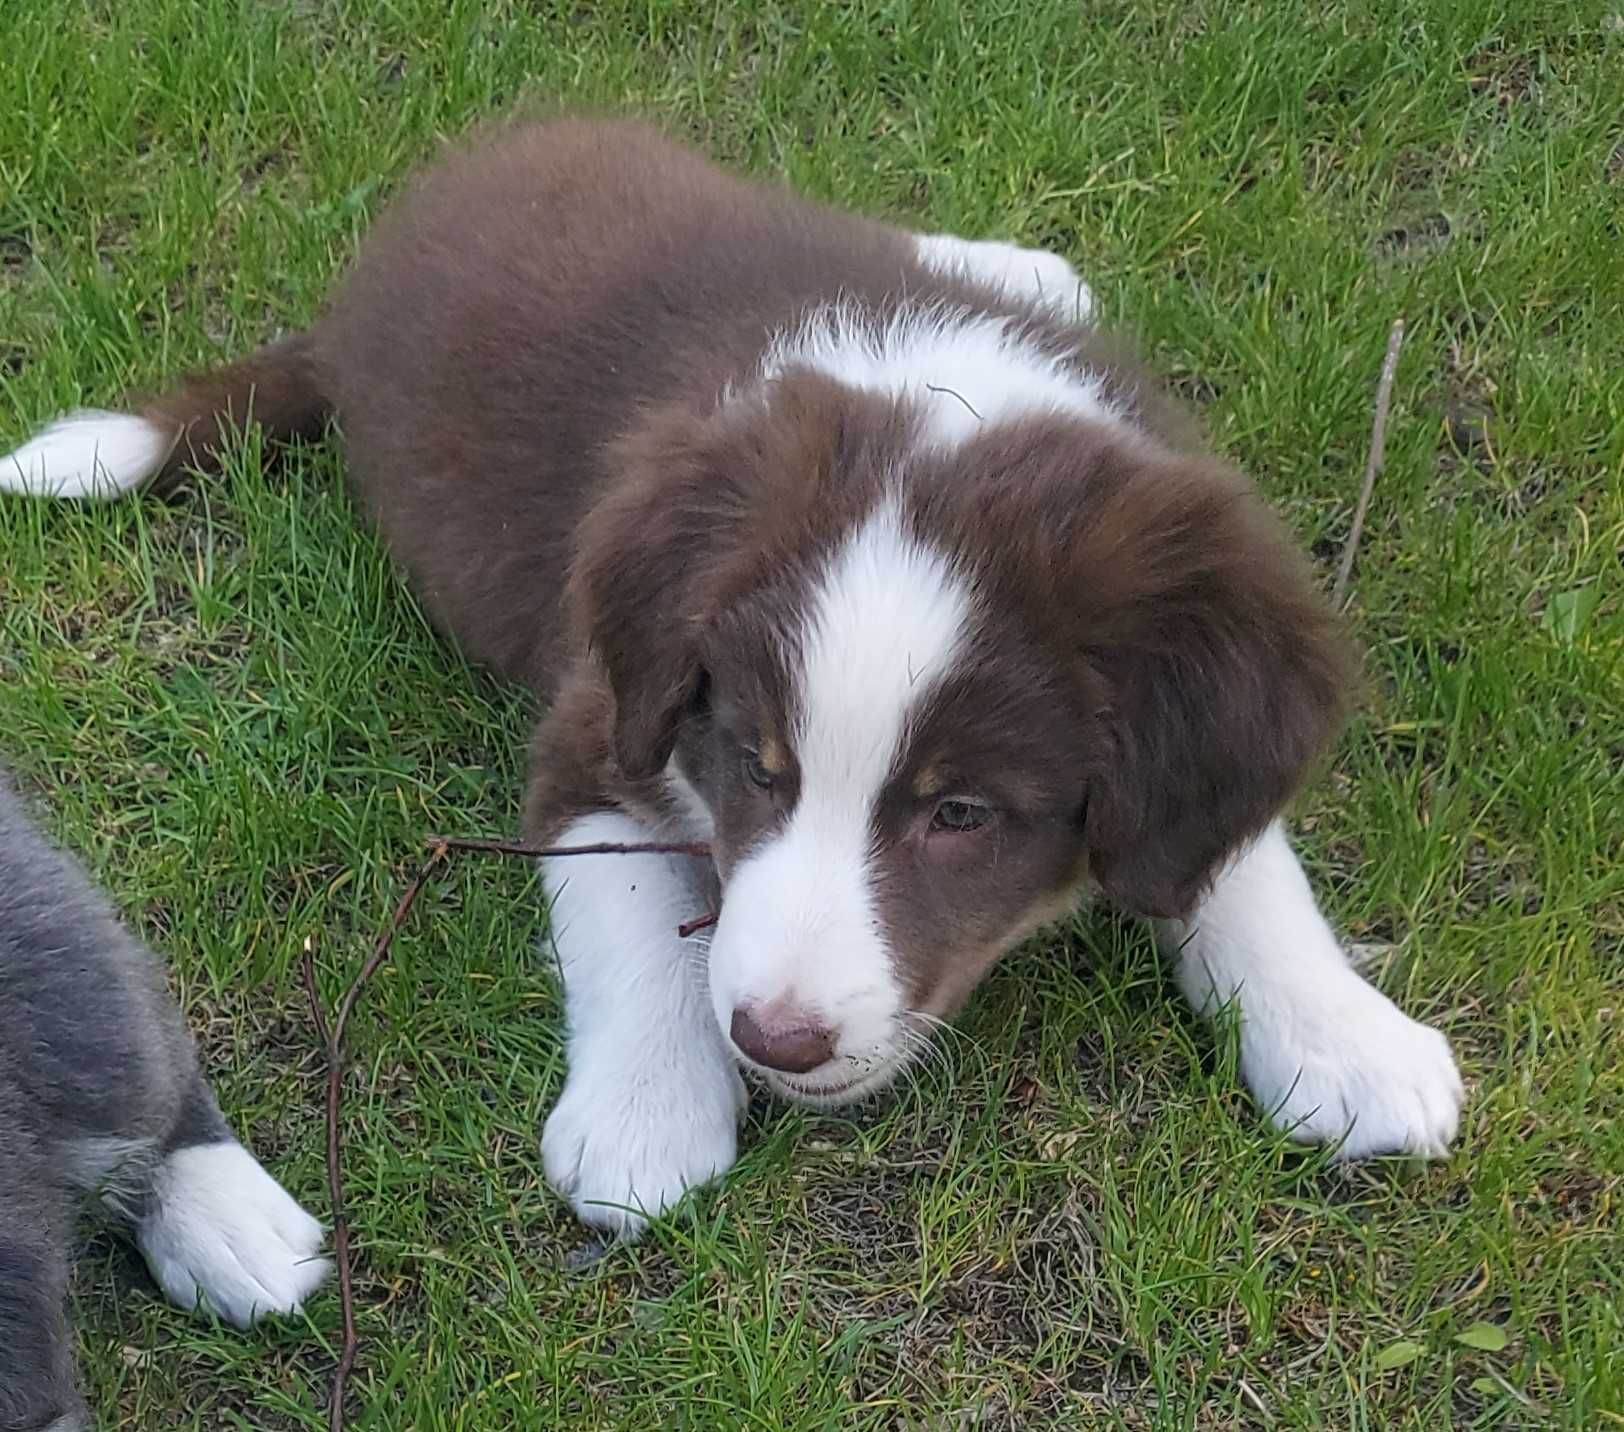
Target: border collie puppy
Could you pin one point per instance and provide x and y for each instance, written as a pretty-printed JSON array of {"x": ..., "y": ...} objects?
[
  {"x": 100, "y": 1093},
  {"x": 857, "y": 554}
]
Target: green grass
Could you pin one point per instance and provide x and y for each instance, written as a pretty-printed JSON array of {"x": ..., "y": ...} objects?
[{"x": 244, "y": 724}]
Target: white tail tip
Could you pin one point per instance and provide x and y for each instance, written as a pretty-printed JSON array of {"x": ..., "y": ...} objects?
[{"x": 88, "y": 456}]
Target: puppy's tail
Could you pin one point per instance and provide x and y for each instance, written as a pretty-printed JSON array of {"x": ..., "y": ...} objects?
[{"x": 97, "y": 455}]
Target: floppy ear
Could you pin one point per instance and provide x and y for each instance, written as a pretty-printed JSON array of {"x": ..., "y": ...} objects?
[
  {"x": 1204, "y": 672},
  {"x": 636, "y": 587},
  {"x": 1218, "y": 677},
  {"x": 698, "y": 506}
]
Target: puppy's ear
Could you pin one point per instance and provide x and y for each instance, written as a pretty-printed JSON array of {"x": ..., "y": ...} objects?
[
  {"x": 637, "y": 586},
  {"x": 698, "y": 508},
  {"x": 1217, "y": 675},
  {"x": 1203, "y": 672}
]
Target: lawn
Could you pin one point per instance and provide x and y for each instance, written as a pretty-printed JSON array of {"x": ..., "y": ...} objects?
[{"x": 1077, "y": 1219}]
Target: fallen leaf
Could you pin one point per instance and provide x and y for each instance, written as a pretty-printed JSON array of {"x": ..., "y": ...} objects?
[
  {"x": 1399, "y": 1354},
  {"x": 1485, "y": 1337},
  {"x": 1567, "y": 614},
  {"x": 1056, "y": 1146}
]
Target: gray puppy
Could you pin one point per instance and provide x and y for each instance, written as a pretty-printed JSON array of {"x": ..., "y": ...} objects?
[{"x": 100, "y": 1094}]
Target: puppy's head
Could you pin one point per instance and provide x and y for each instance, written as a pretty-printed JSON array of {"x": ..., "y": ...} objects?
[{"x": 923, "y": 693}]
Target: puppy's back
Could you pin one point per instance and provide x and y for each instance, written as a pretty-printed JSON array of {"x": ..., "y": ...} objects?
[{"x": 517, "y": 308}]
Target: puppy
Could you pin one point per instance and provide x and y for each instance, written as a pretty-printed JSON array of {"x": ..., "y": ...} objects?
[
  {"x": 858, "y": 555},
  {"x": 100, "y": 1093}
]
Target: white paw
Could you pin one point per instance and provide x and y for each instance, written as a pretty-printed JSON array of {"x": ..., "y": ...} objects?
[
  {"x": 223, "y": 1234},
  {"x": 1342, "y": 1059},
  {"x": 1041, "y": 276},
  {"x": 625, "y": 1142},
  {"x": 1035, "y": 274}
]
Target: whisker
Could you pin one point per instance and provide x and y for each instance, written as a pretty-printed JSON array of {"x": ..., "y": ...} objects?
[
  {"x": 923, "y": 1058},
  {"x": 920, "y": 1041},
  {"x": 924, "y": 1025},
  {"x": 919, "y": 1046},
  {"x": 937, "y": 1023},
  {"x": 924, "y": 1047}
]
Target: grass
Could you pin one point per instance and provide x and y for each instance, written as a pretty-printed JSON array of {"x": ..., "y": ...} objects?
[{"x": 242, "y": 721}]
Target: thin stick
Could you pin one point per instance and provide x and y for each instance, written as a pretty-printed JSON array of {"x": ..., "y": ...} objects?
[
  {"x": 480, "y": 845},
  {"x": 698, "y": 849},
  {"x": 333, "y": 1037},
  {"x": 1378, "y": 455}
]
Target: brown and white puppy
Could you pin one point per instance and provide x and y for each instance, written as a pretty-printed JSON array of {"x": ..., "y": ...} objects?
[{"x": 886, "y": 577}]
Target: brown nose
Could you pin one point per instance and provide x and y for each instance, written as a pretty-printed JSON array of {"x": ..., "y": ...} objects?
[{"x": 785, "y": 1039}]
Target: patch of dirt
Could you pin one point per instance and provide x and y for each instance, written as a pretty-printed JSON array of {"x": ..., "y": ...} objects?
[
  {"x": 1466, "y": 426},
  {"x": 254, "y": 173},
  {"x": 1098, "y": 1077},
  {"x": 16, "y": 253},
  {"x": 1195, "y": 388},
  {"x": 1509, "y": 79},
  {"x": 1499, "y": 881},
  {"x": 1583, "y": 1196},
  {"x": 1417, "y": 169},
  {"x": 1527, "y": 493},
  {"x": 1426, "y": 232},
  {"x": 1325, "y": 549},
  {"x": 1468, "y": 410},
  {"x": 994, "y": 1315},
  {"x": 864, "y": 1210}
]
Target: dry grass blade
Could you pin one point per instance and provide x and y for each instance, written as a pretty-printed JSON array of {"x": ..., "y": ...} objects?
[{"x": 1373, "y": 466}]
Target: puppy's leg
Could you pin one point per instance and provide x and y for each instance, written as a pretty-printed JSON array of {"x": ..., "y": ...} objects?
[
  {"x": 38, "y": 1388},
  {"x": 1327, "y": 1055},
  {"x": 651, "y": 1104},
  {"x": 1035, "y": 274},
  {"x": 110, "y": 1081},
  {"x": 217, "y": 1230}
]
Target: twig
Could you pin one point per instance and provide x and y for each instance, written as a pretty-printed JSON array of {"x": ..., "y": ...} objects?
[
  {"x": 695, "y": 848},
  {"x": 1378, "y": 454},
  {"x": 954, "y": 393},
  {"x": 333, "y": 1038}
]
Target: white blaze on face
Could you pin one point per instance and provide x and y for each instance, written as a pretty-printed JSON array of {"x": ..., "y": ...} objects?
[{"x": 800, "y": 923}]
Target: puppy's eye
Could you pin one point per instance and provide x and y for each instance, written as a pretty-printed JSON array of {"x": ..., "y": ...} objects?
[
  {"x": 756, "y": 773},
  {"x": 960, "y": 816}
]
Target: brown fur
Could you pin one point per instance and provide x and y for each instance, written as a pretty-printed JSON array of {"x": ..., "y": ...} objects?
[
  {"x": 277, "y": 387},
  {"x": 1202, "y": 671},
  {"x": 526, "y": 364},
  {"x": 1150, "y": 684}
]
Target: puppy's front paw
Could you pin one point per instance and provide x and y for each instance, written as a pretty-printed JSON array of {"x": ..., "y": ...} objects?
[
  {"x": 1043, "y": 277},
  {"x": 1034, "y": 274},
  {"x": 223, "y": 1233},
  {"x": 628, "y": 1142},
  {"x": 1345, "y": 1061}
]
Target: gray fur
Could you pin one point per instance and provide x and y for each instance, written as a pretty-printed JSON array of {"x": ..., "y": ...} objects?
[{"x": 99, "y": 1083}]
